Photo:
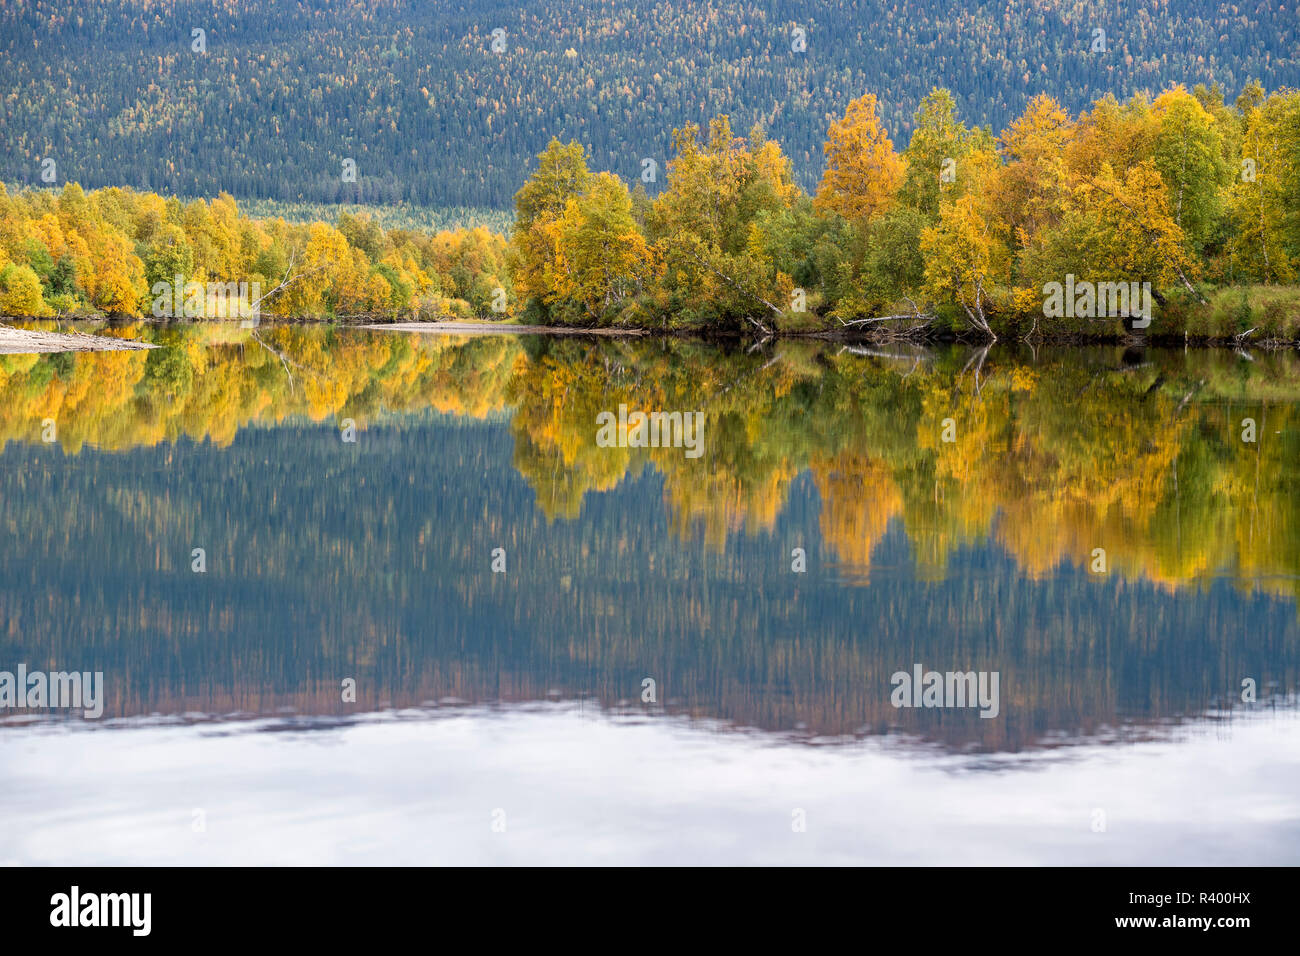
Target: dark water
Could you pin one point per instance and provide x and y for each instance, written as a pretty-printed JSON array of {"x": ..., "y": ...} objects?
[{"x": 499, "y": 716}]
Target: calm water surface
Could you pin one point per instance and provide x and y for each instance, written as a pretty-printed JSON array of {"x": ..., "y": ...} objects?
[{"x": 499, "y": 716}]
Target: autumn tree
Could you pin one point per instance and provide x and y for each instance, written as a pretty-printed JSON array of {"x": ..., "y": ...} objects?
[
  {"x": 20, "y": 291},
  {"x": 1189, "y": 155},
  {"x": 883, "y": 266},
  {"x": 1264, "y": 201},
  {"x": 561, "y": 175},
  {"x": 862, "y": 170},
  {"x": 934, "y": 156},
  {"x": 1113, "y": 134},
  {"x": 1031, "y": 188},
  {"x": 606, "y": 256},
  {"x": 966, "y": 261},
  {"x": 709, "y": 225},
  {"x": 1134, "y": 235},
  {"x": 169, "y": 255},
  {"x": 117, "y": 285}
]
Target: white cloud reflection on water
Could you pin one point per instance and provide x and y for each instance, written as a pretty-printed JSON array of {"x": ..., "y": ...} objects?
[{"x": 584, "y": 787}]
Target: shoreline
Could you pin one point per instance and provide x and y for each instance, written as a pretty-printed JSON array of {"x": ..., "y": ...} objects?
[
  {"x": 17, "y": 341},
  {"x": 30, "y": 341},
  {"x": 488, "y": 328},
  {"x": 848, "y": 336}
]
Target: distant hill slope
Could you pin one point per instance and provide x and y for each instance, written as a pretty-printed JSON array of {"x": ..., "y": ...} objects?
[{"x": 413, "y": 92}]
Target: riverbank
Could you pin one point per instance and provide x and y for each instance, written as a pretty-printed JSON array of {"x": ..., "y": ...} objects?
[
  {"x": 1256, "y": 316},
  {"x": 496, "y": 328},
  {"x": 33, "y": 341},
  {"x": 27, "y": 341}
]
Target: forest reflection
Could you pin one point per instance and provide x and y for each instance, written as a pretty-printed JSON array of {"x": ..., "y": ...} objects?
[
  {"x": 328, "y": 559},
  {"x": 1053, "y": 454}
]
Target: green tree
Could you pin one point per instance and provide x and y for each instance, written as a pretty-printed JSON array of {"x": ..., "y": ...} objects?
[
  {"x": 1189, "y": 156},
  {"x": 561, "y": 175},
  {"x": 169, "y": 255}
]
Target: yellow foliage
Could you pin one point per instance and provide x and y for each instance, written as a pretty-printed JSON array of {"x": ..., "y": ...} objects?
[{"x": 862, "y": 170}]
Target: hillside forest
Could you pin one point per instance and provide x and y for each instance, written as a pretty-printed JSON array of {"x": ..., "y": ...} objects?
[{"x": 444, "y": 103}]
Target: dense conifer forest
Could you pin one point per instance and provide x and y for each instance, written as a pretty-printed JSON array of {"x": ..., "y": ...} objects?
[{"x": 278, "y": 95}]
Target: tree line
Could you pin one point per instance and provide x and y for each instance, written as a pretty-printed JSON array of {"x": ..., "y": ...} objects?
[
  {"x": 963, "y": 231},
  {"x": 111, "y": 250},
  {"x": 1193, "y": 199}
]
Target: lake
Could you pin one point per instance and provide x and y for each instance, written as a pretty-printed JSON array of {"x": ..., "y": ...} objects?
[{"x": 363, "y": 596}]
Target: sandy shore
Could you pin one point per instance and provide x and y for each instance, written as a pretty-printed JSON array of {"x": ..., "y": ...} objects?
[
  {"x": 477, "y": 328},
  {"x": 27, "y": 340}
]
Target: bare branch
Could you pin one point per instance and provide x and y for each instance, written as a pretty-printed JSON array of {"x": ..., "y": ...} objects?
[
  {"x": 740, "y": 288},
  {"x": 293, "y": 258}
]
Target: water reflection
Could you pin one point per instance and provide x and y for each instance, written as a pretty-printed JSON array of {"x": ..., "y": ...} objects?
[{"x": 328, "y": 560}]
